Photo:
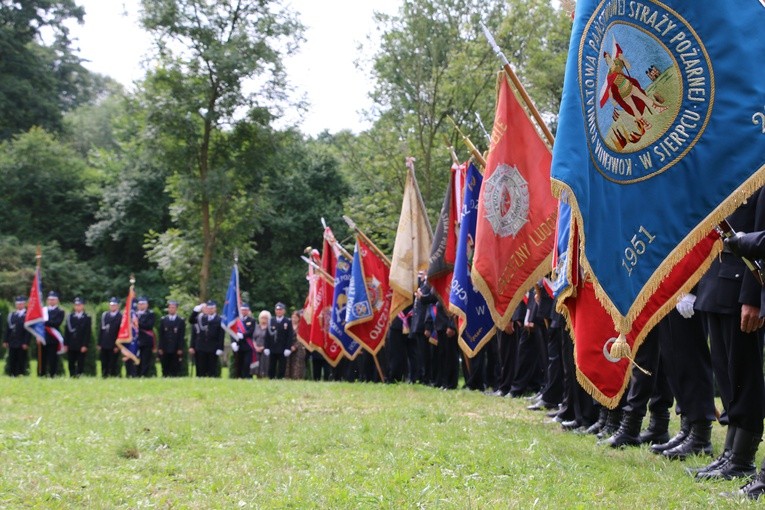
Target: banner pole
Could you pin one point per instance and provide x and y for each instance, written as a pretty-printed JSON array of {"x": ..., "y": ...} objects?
[
  {"x": 519, "y": 86},
  {"x": 38, "y": 256},
  {"x": 379, "y": 368}
]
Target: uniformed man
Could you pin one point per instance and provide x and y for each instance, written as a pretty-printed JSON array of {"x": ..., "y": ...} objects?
[
  {"x": 728, "y": 297},
  {"x": 172, "y": 341},
  {"x": 244, "y": 348},
  {"x": 107, "y": 339},
  {"x": 208, "y": 339},
  {"x": 144, "y": 322},
  {"x": 279, "y": 346},
  {"x": 53, "y": 338},
  {"x": 17, "y": 339},
  {"x": 77, "y": 335}
]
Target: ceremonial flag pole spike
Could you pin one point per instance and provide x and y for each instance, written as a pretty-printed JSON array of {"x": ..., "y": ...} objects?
[
  {"x": 519, "y": 86},
  {"x": 472, "y": 148},
  {"x": 236, "y": 255},
  {"x": 323, "y": 222},
  {"x": 452, "y": 153},
  {"x": 483, "y": 128},
  {"x": 350, "y": 223}
]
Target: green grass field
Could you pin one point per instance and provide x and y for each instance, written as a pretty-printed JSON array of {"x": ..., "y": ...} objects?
[{"x": 189, "y": 443}]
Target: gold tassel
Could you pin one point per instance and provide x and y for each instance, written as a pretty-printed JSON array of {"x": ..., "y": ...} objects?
[{"x": 620, "y": 348}]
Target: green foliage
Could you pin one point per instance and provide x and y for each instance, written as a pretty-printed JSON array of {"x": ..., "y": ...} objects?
[
  {"x": 434, "y": 62},
  {"x": 62, "y": 271},
  {"x": 45, "y": 194},
  {"x": 206, "y": 51},
  {"x": 40, "y": 82},
  {"x": 303, "y": 186}
]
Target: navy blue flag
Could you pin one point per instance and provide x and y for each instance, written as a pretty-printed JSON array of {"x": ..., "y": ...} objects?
[
  {"x": 230, "y": 316},
  {"x": 661, "y": 135},
  {"x": 476, "y": 326},
  {"x": 343, "y": 275}
]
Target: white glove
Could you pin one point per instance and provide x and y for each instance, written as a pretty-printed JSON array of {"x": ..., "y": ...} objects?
[
  {"x": 198, "y": 308},
  {"x": 219, "y": 353},
  {"x": 234, "y": 346},
  {"x": 267, "y": 352},
  {"x": 685, "y": 305},
  {"x": 287, "y": 353},
  {"x": 239, "y": 336}
]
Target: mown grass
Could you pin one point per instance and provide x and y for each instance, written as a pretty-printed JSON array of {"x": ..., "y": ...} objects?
[{"x": 190, "y": 443}]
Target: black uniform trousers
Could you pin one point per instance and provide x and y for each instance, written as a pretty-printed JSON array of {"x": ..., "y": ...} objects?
[
  {"x": 109, "y": 363},
  {"x": 319, "y": 366},
  {"x": 449, "y": 361},
  {"x": 424, "y": 359},
  {"x": 508, "y": 352},
  {"x": 277, "y": 365},
  {"x": 171, "y": 364},
  {"x": 76, "y": 362},
  {"x": 17, "y": 361},
  {"x": 397, "y": 356},
  {"x": 688, "y": 365},
  {"x": 643, "y": 387},
  {"x": 49, "y": 358},
  {"x": 553, "y": 390},
  {"x": 207, "y": 364},
  {"x": 491, "y": 369},
  {"x": 475, "y": 370},
  {"x": 576, "y": 404},
  {"x": 737, "y": 365},
  {"x": 147, "y": 360},
  {"x": 529, "y": 372}
]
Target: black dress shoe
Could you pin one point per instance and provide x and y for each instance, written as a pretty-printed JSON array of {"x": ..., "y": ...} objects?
[
  {"x": 698, "y": 442},
  {"x": 752, "y": 490},
  {"x": 740, "y": 463},
  {"x": 540, "y": 406},
  {"x": 569, "y": 424},
  {"x": 628, "y": 432},
  {"x": 685, "y": 427}
]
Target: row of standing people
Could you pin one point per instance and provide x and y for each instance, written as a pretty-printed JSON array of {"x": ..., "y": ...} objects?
[{"x": 264, "y": 350}]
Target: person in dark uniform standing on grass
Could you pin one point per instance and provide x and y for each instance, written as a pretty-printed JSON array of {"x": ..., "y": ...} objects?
[
  {"x": 53, "y": 337},
  {"x": 172, "y": 341},
  {"x": 729, "y": 299},
  {"x": 244, "y": 347},
  {"x": 107, "y": 339},
  {"x": 208, "y": 340},
  {"x": 280, "y": 346},
  {"x": 17, "y": 339},
  {"x": 77, "y": 335},
  {"x": 144, "y": 321}
]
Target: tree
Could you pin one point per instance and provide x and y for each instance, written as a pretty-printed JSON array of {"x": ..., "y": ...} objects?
[
  {"x": 433, "y": 62},
  {"x": 47, "y": 194},
  {"x": 39, "y": 81},
  {"x": 208, "y": 55}
]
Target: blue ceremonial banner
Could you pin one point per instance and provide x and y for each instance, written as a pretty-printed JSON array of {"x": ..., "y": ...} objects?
[
  {"x": 661, "y": 135},
  {"x": 358, "y": 308},
  {"x": 230, "y": 318},
  {"x": 565, "y": 267},
  {"x": 343, "y": 275},
  {"x": 476, "y": 325}
]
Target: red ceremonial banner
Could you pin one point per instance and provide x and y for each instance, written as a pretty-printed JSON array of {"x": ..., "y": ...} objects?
[
  {"x": 322, "y": 308},
  {"x": 517, "y": 214},
  {"x": 444, "y": 250},
  {"x": 604, "y": 377}
]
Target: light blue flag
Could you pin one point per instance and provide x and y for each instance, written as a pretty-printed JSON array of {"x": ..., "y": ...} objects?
[
  {"x": 343, "y": 275},
  {"x": 358, "y": 308},
  {"x": 475, "y": 323},
  {"x": 661, "y": 135}
]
